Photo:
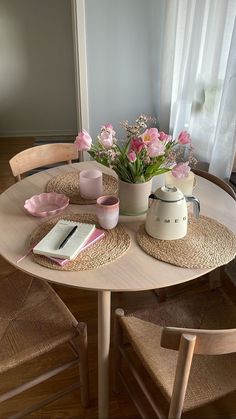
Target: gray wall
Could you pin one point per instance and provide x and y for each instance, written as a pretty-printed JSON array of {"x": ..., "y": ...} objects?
[
  {"x": 123, "y": 56},
  {"x": 37, "y": 87}
]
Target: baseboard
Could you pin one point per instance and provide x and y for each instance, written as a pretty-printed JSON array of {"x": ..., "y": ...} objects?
[
  {"x": 53, "y": 139},
  {"x": 36, "y": 133}
]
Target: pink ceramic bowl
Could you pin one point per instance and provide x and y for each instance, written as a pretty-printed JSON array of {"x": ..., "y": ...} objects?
[{"x": 46, "y": 204}]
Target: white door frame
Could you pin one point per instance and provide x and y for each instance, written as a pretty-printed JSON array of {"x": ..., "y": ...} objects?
[{"x": 80, "y": 61}]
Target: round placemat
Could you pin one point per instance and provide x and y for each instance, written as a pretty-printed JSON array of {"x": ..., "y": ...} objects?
[
  {"x": 208, "y": 244},
  {"x": 115, "y": 243},
  {"x": 68, "y": 184}
]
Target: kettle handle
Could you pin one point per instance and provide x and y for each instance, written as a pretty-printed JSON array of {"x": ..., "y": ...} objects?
[
  {"x": 152, "y": 196},
  {"x": 196, "y": 204},
  {"x": 150, "y": 199}
]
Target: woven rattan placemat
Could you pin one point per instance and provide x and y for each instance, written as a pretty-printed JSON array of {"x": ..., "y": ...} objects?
[
  {"x": 208, "y": 244},
  {"x": 68, "y": 184},
  {"x": 115, "y": 243}
]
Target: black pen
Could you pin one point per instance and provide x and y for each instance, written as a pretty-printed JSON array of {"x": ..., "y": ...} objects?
[{"x": 67, "y": 237}]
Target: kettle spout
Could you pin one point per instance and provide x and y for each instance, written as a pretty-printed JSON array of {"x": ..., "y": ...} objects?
[{"x": 196, "y": 205}]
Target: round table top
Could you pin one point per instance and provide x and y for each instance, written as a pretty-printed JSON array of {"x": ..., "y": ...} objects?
[{"x": 134, "y": 271}]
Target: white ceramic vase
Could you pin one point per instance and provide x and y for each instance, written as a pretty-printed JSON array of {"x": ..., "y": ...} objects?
[{"x": 134, "y": 197}]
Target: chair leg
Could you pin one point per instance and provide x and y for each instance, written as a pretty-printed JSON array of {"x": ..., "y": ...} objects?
[
  {"x": 80, "y": 345},
  {"x": 118, "y": 336},
  {"x": 215, "y": 278},
  {"x": 161, "y": 293}
]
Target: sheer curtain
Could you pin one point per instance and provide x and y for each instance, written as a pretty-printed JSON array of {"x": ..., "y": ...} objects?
[{"x": 198, "y": 78}]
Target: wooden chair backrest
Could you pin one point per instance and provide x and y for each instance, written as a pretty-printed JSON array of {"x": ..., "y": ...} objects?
[
  {"x": 208, "y": 342},
  {"x": 42, "y": 155},
  {"x": 189, "y": 342},
  {"x": 214, "y": 179}
]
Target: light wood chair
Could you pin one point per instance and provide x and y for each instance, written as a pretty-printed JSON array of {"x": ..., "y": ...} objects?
[
  {"x": 40, "y": 156},
  {"x": 33, "y": 319},
  {"x": 172, "y": 357},
  {"x": 217, "y": 181},
  {"x": 214, "y": 277},
  {"x": 33, "y": 322}
]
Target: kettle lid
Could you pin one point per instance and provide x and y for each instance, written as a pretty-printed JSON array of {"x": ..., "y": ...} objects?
[{"x": 169, "y": 193}]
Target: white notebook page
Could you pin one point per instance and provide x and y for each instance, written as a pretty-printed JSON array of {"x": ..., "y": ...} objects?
[{"x": 49, "y": 245}]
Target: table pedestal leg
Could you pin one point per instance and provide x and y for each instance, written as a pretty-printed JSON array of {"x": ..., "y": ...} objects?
[{"x": 104, "y": 326}]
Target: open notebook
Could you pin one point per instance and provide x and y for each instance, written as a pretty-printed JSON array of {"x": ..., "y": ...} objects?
[
  {"x": 49, "y": 245},
  {"x": 96, "y": 235}
]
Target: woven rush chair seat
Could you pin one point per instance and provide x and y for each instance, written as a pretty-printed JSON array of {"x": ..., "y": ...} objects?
[
  {"x": 28, "y": 328},
  {"x": 211, "y": 377},
  {"x": 34, "y": 321}
]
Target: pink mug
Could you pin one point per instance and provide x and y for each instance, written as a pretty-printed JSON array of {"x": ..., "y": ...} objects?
[
  {"x": 107, "y": 210},
  {"x": 90, "y": 184}
]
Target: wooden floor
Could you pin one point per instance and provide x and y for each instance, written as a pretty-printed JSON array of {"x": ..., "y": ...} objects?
[{"x": 83, "y": 305}]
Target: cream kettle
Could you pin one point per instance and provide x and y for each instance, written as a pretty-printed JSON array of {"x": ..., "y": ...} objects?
[{"x": 167, "y": 216}]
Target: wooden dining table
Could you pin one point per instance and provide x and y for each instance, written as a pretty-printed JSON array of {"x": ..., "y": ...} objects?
[{"x": 134, "y": 271}]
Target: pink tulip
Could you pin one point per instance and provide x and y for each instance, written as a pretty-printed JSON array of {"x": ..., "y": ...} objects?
[
  {"x": 164, "y": 137},
  {"x": 106, "y": 139},
  {"x": 181, "y": 170},
  {"x": 184, "y": 138},
  {"x": 109, "y": 129},
  {"x": 83, "y": 141},
  {"x": 136, "y": 145},
  {"x": 150, "y": 135},
  {"x": 155, "y": 149},
  {"x": 132, "y": 156}
]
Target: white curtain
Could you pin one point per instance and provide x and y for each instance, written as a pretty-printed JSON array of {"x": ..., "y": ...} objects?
[{"x": 198, "y": 78}]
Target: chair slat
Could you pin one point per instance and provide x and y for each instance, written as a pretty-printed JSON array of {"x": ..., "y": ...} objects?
[
  {"x": 209, "y": 342},
  {"x": 42, "y": 155}
]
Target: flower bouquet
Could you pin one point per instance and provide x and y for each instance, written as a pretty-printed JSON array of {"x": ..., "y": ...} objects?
[{"x": 145, "y": 152}]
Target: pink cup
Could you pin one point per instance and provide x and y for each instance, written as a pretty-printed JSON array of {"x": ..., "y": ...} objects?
[
  {"x": 107, "y": 210},
  {"x": 90, "y": 184}
]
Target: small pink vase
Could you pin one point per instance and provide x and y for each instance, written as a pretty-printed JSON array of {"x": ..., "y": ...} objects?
[{"x": 134, "y": 197}]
